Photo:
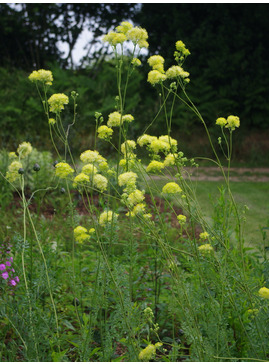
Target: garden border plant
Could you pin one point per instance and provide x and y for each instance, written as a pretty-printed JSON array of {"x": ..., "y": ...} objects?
[{"x": 218, "y": 300}]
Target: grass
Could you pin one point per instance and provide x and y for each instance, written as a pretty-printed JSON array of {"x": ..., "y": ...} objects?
[{"x": 254, "y": 195}]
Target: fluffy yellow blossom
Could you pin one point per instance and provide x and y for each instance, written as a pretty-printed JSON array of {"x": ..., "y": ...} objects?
[
  {"x": 205, "y": 249},
  {"x": 176, "y": 71},
  {"x": 180, "y": 46},
  {"x": 103, "y": 166},
  {"x": 91, "y": 156},
  {"x": 149, "y": 352},
  {"x": 127, "y": 179},
  {"x": 104, "y": 132},
  {"x": 145, "y": 139},
  {"x": 264, "y": 292},
  {"x": 204, "y": 235},
  {"x": 114, "y": 38},
  {"x": 182, "y": 219},
  {"x": 138, "y": 36},
  {"x": 156, "y": 77},
  {"x": 127, "y": 147},
  {"x": 131, "y": 161},
  {"x": 128, "y": 118},
  {"x": 52, "y": 121},
  {"x": 170, "y": 160},
  {"x": 62, "y": 170},
  {"x": 12, "y": 155},
  {"x": 138, "y": 209},
  {"x": 155, "y": 167},
  {"x": 80, "y": 234},
  {"x": 232, "y": 122},
  {"x": 167, "y": 139},
  {"x": 89, "y": 169},
  {"x": 107, "y": 217},
  {"x": 155, "y": 60},
  {"x": 13, "y": 171},
  {"x": 221, "y": 121},
  {"x": 136, "y": 62},
  {"x": 114, "y": 119},
  {"x": 158, "y": 146},
  {"x": 157, "y": 63},
  {"x": 81, "y": 179},
  {"x": 42, "y": 76},
  {"x": 124, "y": 27},
  {"x": 100, "y": 182},
  {"x": 57, "y": 102},
  {"x": 171, "y": 187},
  {"x": 135, "y": 197},
  {"x": 24, "y": 149}
]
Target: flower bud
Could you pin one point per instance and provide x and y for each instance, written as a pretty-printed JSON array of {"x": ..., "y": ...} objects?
[
  {"x": 21, "y": 171},
  {"x": 36, "y": 167}
]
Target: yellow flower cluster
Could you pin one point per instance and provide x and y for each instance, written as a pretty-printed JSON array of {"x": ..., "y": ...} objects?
[
  {"x": 89, "y": 169},
  {"x": 100, "y": 182},
  {"x": 232, "y": 122},
  {"x": 135, "y": 197},
  {"x": 136, "y": 62},
  {"x": 180, "y": 47},
  {"x": 177, "y": 71},
  {"x": 62, "y": 170},
  {"x": 182, "y": 219},
  {"x": 205, "y": 248},
  {"x": 24, "y": 149},
  {"x": 81, "y": 179},
  {"x": 149, "y": 352},
  {"x": 128, "y": 179},
  {"x": 170, "y": 160},
  {"x": 12, "y": 155},
  {"x": 104, "y": 132},
  {"x": 171, "y": 188},
  {"x": 52, "y": 121},
  {"x": 128, "y": 147},
  {"x": 57, "y": 102},
  {"x": 91, "y": 156},
  {"x": 12, "y": 172},
  {"x": 126, "y": 31},
  {"x": 42, "y": 76},
  {"x": 138, "y": 209},
  {"x": 155, "y": 167},
  {"x": 116, "y": 119},
  {"x": 157, "y": 75},
  {"x": 163, "y": 144},
  {"x": 145, "y": 139},
  {"x": 204, "y": 235},
  {"x": 107, "y": 217},
  {"x": 264, "y": 292},
  {"x": 80, "y": 234}
]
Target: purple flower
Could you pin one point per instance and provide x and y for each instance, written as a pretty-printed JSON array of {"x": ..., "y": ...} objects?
[
  {"x": 5, "y": 275},
  {"x": 2, "y": 267},
  {"x": 11, "y": 259},
  {"x": 8, "y": 264},
  {"x": 12, "y": 282},
  {"x": 17, "y": 279},
  {"x": 13, "y": 270}
]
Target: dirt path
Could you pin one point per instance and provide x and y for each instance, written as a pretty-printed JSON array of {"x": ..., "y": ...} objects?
[{"x": 236, "y": 174}]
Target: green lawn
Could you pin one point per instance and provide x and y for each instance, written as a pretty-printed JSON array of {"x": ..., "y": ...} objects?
[{"x": 255, "y": 195}]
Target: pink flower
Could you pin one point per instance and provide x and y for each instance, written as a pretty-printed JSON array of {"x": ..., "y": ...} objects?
[
  {"x": 12, "y": 282},
  {"x": 2, "y": 267},
  {"x": 5, "y": 275},
  {"x": 17, "y": 279},
  {"x": 8, "y": 264},
  {"x": 11, "y": 259}
]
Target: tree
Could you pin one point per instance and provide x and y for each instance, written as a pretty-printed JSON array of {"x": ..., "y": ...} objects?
[{"x": 30, "y": 32}]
